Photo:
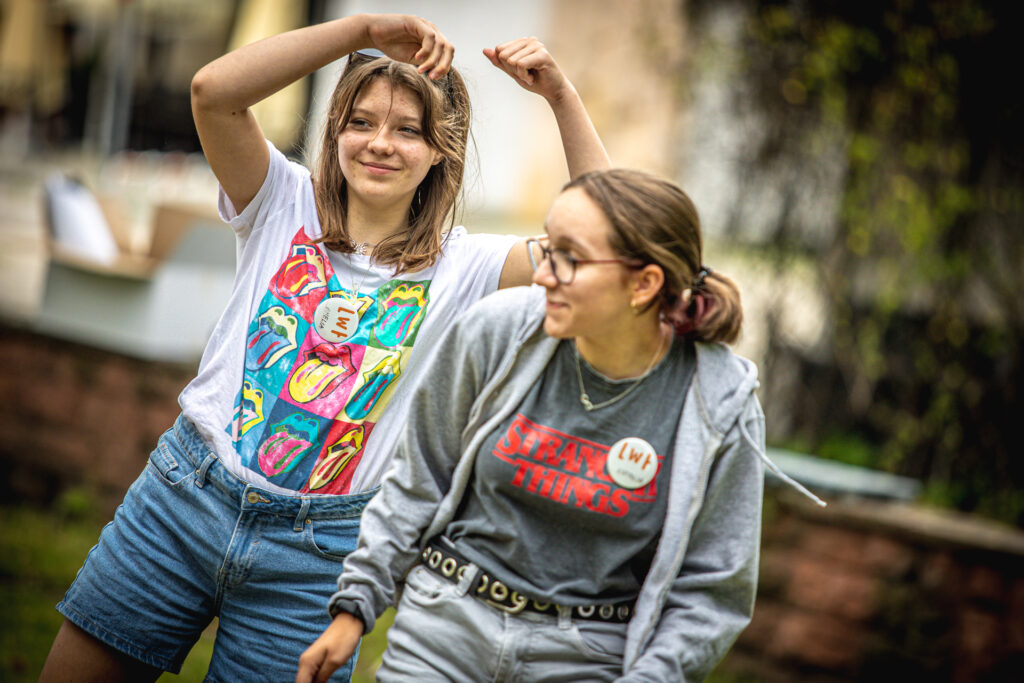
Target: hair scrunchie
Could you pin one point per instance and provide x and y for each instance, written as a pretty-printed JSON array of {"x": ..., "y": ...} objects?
[
  {"x": 698, "y": 282},
  {"x": 691, "y": 306}
]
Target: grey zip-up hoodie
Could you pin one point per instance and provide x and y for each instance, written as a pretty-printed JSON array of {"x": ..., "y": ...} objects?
[{"x": 699, "y": 592}]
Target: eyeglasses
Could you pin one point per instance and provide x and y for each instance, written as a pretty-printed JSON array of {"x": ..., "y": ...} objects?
[{"x": 563, "y": 264}]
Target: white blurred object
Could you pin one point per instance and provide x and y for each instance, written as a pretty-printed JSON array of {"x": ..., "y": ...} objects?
[{"x": 77, "y": 222}]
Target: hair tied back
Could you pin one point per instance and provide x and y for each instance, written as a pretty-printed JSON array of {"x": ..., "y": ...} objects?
[{"x": 698, "y": 282}]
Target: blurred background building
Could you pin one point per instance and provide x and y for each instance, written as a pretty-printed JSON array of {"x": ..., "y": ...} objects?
[{"x": 858, "y": 168}]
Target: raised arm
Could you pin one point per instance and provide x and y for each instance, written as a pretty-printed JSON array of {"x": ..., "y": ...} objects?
[
  {"x": 224, "y": 89},
  {"x": 530, "y": 64}
]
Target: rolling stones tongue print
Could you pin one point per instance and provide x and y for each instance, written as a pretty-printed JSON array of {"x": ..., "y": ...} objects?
[{"x": 307, "y": 403}]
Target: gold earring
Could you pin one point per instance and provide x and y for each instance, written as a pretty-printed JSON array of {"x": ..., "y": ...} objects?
[{"x": 635, "y": 306}]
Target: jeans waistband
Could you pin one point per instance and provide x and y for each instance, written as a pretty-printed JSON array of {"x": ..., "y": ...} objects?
[
  {"x": 212, "y": 471},
  {"x": 441, "y": 558}
]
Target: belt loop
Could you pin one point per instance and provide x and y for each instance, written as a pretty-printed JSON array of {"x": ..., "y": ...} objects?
[
  {"x": 467, "y": 575},
  {"x": 300, "y": 518},
  {"x": 201, "y": 472},
  {"x": 564, "y": 617}
]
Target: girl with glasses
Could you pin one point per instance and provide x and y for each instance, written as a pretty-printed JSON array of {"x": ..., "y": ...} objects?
[
  {"x": 577, "y": 495},
  {"x": 347, "y": 276}
]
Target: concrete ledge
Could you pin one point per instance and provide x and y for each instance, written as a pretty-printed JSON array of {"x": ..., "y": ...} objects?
[{"x": 914, "y": 523}]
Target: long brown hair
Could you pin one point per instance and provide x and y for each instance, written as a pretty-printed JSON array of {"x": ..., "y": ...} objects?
[
  {"x": 654, "y": 221},
  {"x": 445, "y": 129}
]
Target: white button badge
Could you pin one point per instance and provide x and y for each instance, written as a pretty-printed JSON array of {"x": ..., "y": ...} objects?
[
  {"x": 632, "y": 462},
  {"x": 336, "y": 319}
]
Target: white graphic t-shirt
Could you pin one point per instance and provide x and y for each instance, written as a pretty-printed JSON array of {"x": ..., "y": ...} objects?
[{"x": 303, "y": 385}]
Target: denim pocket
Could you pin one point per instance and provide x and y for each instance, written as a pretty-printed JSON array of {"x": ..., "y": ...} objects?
[
  {"x": 425, "y": 583},
  {"x": 166, "y": 466},
  {"x": 333, "y": 538},
  {"x": 600, "y": 641}
]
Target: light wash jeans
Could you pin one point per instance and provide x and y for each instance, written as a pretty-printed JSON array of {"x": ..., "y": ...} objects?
[
  {"x": 443, "y": 634},
  {"x": 192, "y": 542}
]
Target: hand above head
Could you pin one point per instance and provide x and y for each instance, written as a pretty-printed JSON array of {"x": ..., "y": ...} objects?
[
  {"x": 410, "y": 39},
  {"x": 331, "y": 650},
  {"x": 531, "y": 65}
]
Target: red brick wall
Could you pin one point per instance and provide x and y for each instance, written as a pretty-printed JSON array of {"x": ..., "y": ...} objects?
[
  {"x": 878, "y": 591},
  {"x": 73, "y": 416}
]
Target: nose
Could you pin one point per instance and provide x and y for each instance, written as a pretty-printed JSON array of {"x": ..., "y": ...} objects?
[
  {"x": 381, "y": 143},
  {"x": 544, "y": 275}
]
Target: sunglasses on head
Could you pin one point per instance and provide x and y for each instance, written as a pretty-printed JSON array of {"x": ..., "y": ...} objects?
[{"x": 372, "y": 54}]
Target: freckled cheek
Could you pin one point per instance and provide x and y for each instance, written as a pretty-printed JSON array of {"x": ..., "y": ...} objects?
[{"x": 345, "y": 152}]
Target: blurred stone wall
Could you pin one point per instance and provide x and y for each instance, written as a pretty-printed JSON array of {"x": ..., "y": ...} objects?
[
  {"x": 77, "y": 418},
  {"x": 874, "y": 591}
]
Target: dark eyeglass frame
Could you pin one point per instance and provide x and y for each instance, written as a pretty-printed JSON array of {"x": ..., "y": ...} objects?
[
  {"x": 365, "y": 55},
  {"x": 548, "y": 253}
]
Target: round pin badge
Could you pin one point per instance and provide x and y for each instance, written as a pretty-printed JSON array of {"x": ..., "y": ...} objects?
[
  {"x": 336, "y": 319},
  {"x": 632, "y": 462}
]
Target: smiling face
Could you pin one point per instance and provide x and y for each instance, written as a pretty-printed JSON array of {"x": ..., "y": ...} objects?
[
  {"x": 597, "y": 302},
  {"x": 381, "y": 149}
]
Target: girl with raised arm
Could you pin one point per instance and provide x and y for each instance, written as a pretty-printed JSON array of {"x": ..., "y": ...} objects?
[{"x": 346, "y": 279}]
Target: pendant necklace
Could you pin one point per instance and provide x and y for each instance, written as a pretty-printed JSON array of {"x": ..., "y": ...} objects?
[
  {"x": 337, "y": 317},
  {"x": 589, "y": 405}
]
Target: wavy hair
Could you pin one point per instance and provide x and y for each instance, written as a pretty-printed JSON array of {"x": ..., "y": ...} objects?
[{"x": 446, "y": 113}]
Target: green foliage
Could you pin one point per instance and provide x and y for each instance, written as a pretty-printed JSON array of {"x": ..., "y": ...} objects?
[
  {"x": 76, "y": 503},
  {"x": 919, "y": 357},
  {"x": 851, "y": 449}
]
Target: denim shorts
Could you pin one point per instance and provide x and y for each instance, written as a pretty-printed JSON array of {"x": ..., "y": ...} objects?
[{"x": 192, "y": 542}]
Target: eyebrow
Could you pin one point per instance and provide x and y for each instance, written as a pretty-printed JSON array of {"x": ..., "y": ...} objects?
[
  {"x": 567, "y": 242},
  {"x": 397, "y": 118}
]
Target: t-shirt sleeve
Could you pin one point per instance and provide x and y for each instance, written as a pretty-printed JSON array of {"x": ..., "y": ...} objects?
[
  {"x": 278, "y": 190},
  {"x": 480, "y": 259}
]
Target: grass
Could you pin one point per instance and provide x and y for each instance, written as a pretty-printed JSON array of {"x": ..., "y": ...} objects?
[
  {"x": 39, "y": 556},
  {"x": 40, "y": 552}
]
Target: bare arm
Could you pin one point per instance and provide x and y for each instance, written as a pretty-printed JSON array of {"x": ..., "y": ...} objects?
[
  {"x": 223, "y": 90},
  {"x": 530, "y": 64},
  {"x": 331, "y": 650}
]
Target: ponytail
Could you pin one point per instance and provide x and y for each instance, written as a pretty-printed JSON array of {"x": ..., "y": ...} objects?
[
  {"x": 708, "y": 311},
  {"x": 654, "y": 221}
]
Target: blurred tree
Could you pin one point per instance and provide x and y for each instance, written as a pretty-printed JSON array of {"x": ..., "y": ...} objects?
[{"x": 925, "y": 266}]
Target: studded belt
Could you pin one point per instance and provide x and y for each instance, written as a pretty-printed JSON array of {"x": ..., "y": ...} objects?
[{"x": 449, "y": 565}]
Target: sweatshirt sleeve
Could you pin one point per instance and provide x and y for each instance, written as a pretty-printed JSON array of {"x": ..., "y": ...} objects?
[
  {"x": 712, "y": 599},
  {"x": 426, "y": 456}
]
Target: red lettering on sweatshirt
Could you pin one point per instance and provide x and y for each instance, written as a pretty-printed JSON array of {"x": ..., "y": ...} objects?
[{"x": 567, "y": 469}]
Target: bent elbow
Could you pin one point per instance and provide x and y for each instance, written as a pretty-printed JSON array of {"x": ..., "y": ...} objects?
[{"x": 200, "y": 90}]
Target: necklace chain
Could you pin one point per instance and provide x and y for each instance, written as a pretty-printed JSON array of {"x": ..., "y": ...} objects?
[
  {"x": 589, "y": 405},
  {"x": 356, "y": 292}
]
